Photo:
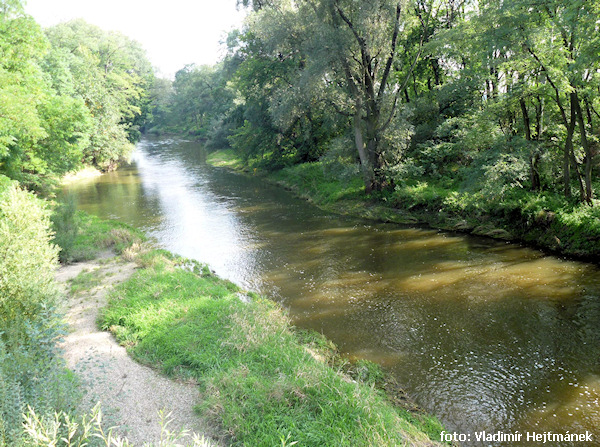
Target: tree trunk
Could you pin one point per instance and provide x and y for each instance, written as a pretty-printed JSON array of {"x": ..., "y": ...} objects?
[
  {"x": 372, "y": 144},
  {"x": 575, "y": 165},
  {"x": 589, "y": 115},
  {"x": 586, "y": 148},
  {"x": 569, "y": 145},
  {"x": 536, "y": 183},
  {"x": 567, "y": 154},
  {"x": 365, "y": 165},
  {"x": 526, "y": 121},
  {"x": 414, "y": 78},
  {"x": 539, "y": 118},
  {"x": 435, "y": 66}
]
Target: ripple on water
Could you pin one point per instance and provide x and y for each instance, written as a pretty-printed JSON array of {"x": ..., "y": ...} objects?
[{"x": 487, "y": 335}]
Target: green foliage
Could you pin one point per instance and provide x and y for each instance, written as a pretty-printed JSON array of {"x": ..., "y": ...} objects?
[
  {"x": 225, "y": 158},
  {"x": 473, "y": 98},
  {"x": 22, "y": 88},
  {"x": 95, "y": 235},
  {"x": 68, "y": 431},
  {"x": 31, "y": 369},
  {"x": 65, "y": 227},
  {"x": 111, "y": 73},
  {"x": 67, "y": 123},
  {"x": 261, "y": 384},
  {"x": 74, "y": 95},
  {"x": 27, "y": 258},
  {"x": 313, "y": 180}
]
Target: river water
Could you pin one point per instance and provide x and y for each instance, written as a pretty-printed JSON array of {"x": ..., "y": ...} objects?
[{"x": 486, "y": 335}]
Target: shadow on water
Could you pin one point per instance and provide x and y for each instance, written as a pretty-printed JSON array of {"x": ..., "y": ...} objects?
[{"x": 487, "y": 335}]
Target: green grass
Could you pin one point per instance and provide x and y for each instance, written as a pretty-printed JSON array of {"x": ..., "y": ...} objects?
[
  {"x": 313, "y": 181},
  {"x": 543, "y": 219},
  {"x": 95, "y": 235},
  {"x": 85, "y": 281},
  {"x": 225, "y": 158},
  {"x": 263, "y": 382}
]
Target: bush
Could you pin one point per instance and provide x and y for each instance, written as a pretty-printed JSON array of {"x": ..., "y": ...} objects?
[
  {"x": 65, "y": 227},
  {"x": 31, "y": 371},
  {"x": 27, "y": 258}
]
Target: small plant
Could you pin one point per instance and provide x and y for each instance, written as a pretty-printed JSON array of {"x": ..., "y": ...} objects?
[
  {"x": 85, "y": 281},
  {"x": 63, "y": 430}
]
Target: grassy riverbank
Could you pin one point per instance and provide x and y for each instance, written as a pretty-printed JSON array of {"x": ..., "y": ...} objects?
[
  {"x": 544, "y": 220},
  {"x": 263, "y": 381}
]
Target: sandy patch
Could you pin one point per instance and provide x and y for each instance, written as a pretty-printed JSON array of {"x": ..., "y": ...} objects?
[
  {"x": 131, "y": 394},
  {"x": 82, "y": 174}
]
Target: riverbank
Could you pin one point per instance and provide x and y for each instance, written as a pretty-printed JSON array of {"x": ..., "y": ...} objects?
[
  {"x": 261, "y": 381},
  {"x": 134, "y": 398},
  {"x": 542, "y": 220}
]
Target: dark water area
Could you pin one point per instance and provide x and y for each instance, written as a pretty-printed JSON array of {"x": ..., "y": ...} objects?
[{"x": 484, "y": 334}]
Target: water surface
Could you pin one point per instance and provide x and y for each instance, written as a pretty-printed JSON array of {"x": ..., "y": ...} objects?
[{"x": 486, "y": 335}]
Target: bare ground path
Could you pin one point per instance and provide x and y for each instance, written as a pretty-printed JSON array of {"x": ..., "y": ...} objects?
[{"x": 131, "y": 394}]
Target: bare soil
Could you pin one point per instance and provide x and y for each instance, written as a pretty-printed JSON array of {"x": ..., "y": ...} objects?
[{"x": 132, "y": 395}]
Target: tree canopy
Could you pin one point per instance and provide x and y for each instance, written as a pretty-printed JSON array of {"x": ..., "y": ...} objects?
[
  {"x": 485, "y": 94},
  {"x": 69, "y": 95}
]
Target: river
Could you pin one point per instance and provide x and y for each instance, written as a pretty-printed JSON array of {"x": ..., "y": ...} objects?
[{"x": 484, "y": 334}]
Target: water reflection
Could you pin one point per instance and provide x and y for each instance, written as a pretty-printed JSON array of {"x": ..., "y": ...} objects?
[{"x": 489, "y": 336}]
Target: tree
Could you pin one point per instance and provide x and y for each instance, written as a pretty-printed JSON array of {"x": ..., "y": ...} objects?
[
  {"x": 22, "y": 86},
  {"x": 112, "y": 75},
  {"x": 559, "y": 41}
]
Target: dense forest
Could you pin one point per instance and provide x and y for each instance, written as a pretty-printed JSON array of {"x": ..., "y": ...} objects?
[
  {"x": 469, "y": 107},
  {"x": 70, "y": 95}
]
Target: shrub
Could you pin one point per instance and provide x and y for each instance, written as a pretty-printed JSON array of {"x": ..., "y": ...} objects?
[
  {"x": 31, "y": 371},
  {"x": 27, "y": 258},
  {"x": 65, "y": 227}
]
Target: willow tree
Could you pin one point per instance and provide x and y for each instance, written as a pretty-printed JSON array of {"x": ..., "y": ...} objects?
[
  {"x": 367, "y": 60},
  {"x": 349, "y": 56}
]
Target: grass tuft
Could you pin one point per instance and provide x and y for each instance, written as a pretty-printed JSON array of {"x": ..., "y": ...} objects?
[{"x": 95, "y": 235}]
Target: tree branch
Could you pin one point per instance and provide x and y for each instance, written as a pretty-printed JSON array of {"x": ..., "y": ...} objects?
[
  {"x": 556, "y": 90},
  {"x": 390, "y": 60}
]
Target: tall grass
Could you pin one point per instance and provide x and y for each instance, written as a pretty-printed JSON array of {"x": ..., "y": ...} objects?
[{"x": 81, "y": 236}]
